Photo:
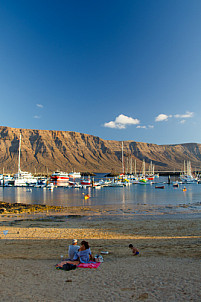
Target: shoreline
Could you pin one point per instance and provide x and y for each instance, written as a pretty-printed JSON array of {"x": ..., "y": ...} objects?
[{"x": 124, "y": 211}]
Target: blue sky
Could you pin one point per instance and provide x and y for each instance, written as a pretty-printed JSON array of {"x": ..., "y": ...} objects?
[{"x": 120, "y": 70}]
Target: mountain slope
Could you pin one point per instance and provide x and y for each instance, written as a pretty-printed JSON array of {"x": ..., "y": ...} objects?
[{"x": 46, "y": 150}]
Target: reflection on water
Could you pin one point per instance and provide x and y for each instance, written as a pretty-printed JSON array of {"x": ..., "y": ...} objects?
[{"x": 133, "y": 194}]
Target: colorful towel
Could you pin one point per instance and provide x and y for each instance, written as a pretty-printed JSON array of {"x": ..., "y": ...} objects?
[{"x": 89, "y": 265}]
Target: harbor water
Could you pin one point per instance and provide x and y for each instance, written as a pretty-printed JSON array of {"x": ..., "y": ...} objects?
[{"x": 134, "y": 194}]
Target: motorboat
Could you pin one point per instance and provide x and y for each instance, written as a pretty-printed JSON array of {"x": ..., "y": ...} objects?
[
  {"x": 86, "y": 182},
  {"x": 105, "y": 183},
  {"x": 74, "y": 175},
  {"x": 116, "y": 183},
  {"x": 41, "y": 182},
  {"x": 58, "y": 175}
]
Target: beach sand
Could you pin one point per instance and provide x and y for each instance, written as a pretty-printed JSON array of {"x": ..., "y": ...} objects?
[{"x": 167, "y": 269}]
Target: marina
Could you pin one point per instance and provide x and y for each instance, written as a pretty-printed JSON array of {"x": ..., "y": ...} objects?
[{"x": 171, "y": 198}]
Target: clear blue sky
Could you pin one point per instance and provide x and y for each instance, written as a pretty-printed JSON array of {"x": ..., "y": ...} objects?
[{"x": 120, "y": 70}]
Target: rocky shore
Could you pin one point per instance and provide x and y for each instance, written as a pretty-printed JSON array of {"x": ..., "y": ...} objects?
[{"x": 19, "y": 208}]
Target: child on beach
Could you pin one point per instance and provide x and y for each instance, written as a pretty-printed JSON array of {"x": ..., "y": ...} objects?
[{"x": 134, "y": 250}]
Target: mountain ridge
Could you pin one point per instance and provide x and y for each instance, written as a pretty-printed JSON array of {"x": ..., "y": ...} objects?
[{"x": 45, "y": 151}]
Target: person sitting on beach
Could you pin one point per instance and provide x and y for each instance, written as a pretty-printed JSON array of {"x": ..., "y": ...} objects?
[
  {"x": 83, "y": 255},
  {"x": 73, "y": 249},
  {"x": 134, "y": 250}
]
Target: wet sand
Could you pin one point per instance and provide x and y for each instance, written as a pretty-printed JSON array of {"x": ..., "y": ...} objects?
[{"x": 167, "y": 269}]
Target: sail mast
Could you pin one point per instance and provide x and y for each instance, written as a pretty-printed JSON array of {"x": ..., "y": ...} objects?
[
  {"x": 19, "y": 155},
  {"x": 131, "y": 165},
  {"x": 135, "y": 168},
  {"x": 122, "y": 156}
]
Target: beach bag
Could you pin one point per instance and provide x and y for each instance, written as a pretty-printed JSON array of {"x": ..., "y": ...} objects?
[
  {"x": 98, "y": 258},
  {"x": 68, "y": 267}
]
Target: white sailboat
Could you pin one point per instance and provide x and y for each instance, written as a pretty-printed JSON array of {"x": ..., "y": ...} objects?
[
  {"x": 23, "y": 178},
  {"x": 143, "y": 179},
  {"x": 187, "y": 176}
]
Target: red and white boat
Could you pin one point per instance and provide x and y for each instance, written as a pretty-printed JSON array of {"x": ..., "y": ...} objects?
[
  {"x": 86, "y": 182},
  {"x": 59, "y": 176}
]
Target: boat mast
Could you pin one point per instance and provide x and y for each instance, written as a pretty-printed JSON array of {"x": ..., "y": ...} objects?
[
  {"x": 143, "y": 168},
  {"x": 151, "y": 168},
  {"x": 19, "y": 155},
  {"x": 122, "y": 156},
  {"x": 135, "y": 168},
  {"x": 131, "y": 165}
]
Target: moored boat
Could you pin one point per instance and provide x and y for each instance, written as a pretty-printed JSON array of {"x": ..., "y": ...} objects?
[
  {"x": 159, "y": 187},
  {"x": 86, "y": 182},
  {"x": 23, "y": 178},
  {"x": 58, "y": 175},
  {"x": 74, "y": 175}
]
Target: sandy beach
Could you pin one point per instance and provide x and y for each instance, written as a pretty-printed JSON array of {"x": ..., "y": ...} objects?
[{"x": 167, "y": 269}]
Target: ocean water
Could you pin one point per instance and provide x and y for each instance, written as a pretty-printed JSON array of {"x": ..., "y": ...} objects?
[{"x": 132, "y": 195}]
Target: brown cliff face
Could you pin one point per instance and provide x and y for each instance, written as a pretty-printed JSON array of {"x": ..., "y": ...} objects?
[{"x": 46, "y": 150}]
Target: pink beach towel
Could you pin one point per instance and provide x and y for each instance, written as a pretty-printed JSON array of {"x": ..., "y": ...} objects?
[{"x": 89, "y": 265}]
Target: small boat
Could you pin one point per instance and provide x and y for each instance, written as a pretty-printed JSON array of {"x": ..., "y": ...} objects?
[
  {"x": 184, "y": 189},
  {"x": 41, "y": 182},
  {"x": 86, "y": 182},
  {"x": 159, "y": 187},
  {"x": 176, "y": 185}
]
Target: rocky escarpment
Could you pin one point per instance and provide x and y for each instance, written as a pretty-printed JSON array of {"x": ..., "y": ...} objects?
[{"x": 45, "y": 151}]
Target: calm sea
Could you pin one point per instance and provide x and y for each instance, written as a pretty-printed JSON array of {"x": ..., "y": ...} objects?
[{"x": 130, "y": 195}]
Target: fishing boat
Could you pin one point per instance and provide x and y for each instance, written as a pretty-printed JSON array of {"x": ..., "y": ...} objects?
[{"x": 58, "y": 175}]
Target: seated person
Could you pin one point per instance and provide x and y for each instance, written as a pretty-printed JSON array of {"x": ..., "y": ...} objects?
[
  {"x": 134, "y": 250},
  {"x": 84, "y": 254},
  {"x": 73, "y": 249}
]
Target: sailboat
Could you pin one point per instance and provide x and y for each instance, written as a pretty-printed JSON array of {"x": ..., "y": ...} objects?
[
  {"x": 150, "y": 175},
  {"x": 23, "y": 178},
  {"x": 187, "y": 176},
  {"x": 143, "y": 179}
]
